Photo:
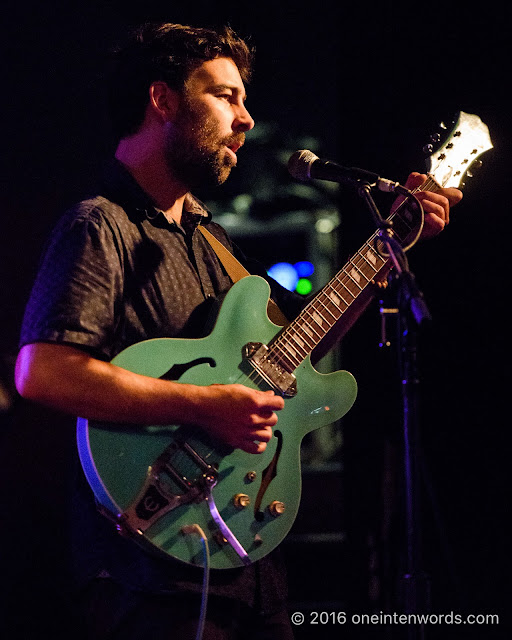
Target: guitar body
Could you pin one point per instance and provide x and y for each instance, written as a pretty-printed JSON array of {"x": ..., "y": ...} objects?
[{"x": 117, "y": 458}]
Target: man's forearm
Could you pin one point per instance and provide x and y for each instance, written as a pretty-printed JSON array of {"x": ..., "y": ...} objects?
[{"x": 69, "y": 380}]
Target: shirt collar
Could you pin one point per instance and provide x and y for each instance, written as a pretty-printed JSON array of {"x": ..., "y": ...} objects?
[{"x": 122, "y": 188}]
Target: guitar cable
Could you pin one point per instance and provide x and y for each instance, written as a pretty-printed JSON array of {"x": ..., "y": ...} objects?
[{"x": 196, "y": 529}]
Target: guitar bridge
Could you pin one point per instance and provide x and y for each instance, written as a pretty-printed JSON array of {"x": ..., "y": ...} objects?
[
  {"x": 165, "y": 488},
  {"x": 255, "y": 356}
]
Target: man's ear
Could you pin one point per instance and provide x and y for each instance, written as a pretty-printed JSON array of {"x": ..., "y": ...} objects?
[{"x": 163, "y": 101}]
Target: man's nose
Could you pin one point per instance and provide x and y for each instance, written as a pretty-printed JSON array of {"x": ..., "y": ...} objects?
[{"x": 244, "y": 121}]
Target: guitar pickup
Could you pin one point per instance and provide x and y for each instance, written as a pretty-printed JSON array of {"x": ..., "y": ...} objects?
[{"x": 255, "y": 357}]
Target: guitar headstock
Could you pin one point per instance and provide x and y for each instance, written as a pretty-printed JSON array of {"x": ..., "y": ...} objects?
[{"x": 468, "y": 139}]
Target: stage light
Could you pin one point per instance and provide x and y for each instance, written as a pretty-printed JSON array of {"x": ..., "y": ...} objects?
[
  {"x": 293, "y": 277},
  {"x": 304, "y": 268},
  {"x": 304, "y": 286},
  {"x": 285, "y": 274}
]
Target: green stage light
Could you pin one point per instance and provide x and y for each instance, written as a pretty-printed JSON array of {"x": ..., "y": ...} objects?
[{"x": 304, "y": 286}]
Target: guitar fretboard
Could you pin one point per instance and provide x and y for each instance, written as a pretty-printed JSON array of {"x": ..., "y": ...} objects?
[{"x": 296, "y": 341}]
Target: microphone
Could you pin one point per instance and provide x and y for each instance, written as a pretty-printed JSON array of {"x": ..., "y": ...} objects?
[{"x": 305, "y": 165}]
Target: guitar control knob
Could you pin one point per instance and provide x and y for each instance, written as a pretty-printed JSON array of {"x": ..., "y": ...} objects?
[
  {"x": 276, "y": 508},
  {"x": 241, "y": 500}
]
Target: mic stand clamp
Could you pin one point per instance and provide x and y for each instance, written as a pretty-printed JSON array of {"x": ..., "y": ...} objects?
[{"x": 411, "y": 303}]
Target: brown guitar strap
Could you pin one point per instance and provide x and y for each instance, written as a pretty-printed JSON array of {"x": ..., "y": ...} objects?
[{"x": 236, "y": 272}]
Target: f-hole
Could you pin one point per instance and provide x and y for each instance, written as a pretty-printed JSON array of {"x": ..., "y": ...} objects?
[
  {"x": 177, "y": 370},
  {"x": 267, "y": 476}
]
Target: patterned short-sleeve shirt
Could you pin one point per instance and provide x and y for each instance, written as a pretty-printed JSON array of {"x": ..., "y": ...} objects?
[{"x": 115, "y": 272}]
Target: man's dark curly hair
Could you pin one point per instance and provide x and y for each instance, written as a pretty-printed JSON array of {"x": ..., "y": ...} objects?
[{"x": 166, "y": 52}]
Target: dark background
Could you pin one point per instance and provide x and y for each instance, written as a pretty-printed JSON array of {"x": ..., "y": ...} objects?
[{"x": 369, "y": 82}]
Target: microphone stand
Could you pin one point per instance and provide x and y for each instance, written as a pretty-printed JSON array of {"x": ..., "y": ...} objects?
[{"x": 413, "y": 314}]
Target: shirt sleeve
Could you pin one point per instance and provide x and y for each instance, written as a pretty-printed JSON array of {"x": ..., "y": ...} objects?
[{"x": 78, "y": 286}]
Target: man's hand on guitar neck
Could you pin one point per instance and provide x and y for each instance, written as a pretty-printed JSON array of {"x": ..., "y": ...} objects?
[{"x": 436, "y": 205}]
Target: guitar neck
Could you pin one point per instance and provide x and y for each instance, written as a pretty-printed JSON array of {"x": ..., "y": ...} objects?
[{"x": 294, "y": 343}]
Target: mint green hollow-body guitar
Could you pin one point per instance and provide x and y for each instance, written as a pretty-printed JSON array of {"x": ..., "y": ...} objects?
[{"x": 158, "y": 481}]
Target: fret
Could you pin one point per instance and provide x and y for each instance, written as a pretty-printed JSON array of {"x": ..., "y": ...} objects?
[
  {"x": 332, "y": 286},
  {"x": 347, "y": 290},
  {"x": 407, "y": 214},
  {"x": 401, "y": 228},
  {"x": 311, "y": 326},
  {"x": 378, "y": 259},
  {"x": 371, "y": 265},
  {"x": 371, "y": 256},
  {"x": 285, "y": 362},
  {"x": 291, "y": 350},
  {"x": 306, "y": 330},
  {"x": 360, "y": 270},
  {"x": 286, "y": 359},
  {"x": 287, "y": 336},
  {"x": 298, "y": 341},
  {"x": 326, "y": 307},
  {"x": 354, "y": 279},
  {"x": 350, "y": 285},
  {"x": 319, "y": 319},
  {"x": 307, "y": 341},
  {"x": 335, "y": 301}
]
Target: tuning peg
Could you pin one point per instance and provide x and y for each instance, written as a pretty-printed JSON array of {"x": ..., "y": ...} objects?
[
  {"x": 442, "y": 126},
  {"x": 435, "y": 137},
  {"x": 428, "y": 148}
]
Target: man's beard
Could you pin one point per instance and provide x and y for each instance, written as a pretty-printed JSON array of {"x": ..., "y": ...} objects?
[{"x": 194, "y": 152}]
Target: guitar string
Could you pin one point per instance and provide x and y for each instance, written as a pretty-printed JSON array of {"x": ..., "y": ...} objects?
[
  {"x": 343, "y": 278},
  {"x": 358, "y": 262},
  {"x": 314, "y": 310},
  {"x": 324, "y": 298},
  {"x": 281, "y": 350}
]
